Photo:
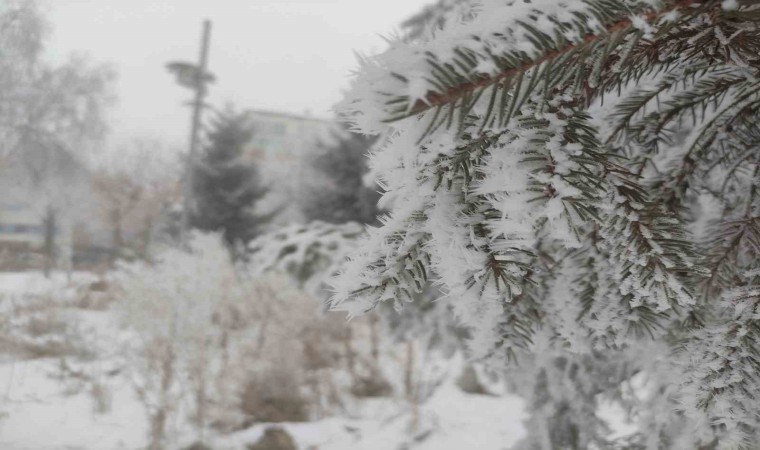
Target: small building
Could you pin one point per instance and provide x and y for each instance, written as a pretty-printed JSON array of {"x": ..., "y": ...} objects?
[
  {"x": 281, "y": 145},
  {"x": 20, "y": 226},
  {"x": 47, "y": 202}
]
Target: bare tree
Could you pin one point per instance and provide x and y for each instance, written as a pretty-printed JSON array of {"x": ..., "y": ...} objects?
[
  {"x": 135, "y": 184},
  {"x": 48, "y": 115}
]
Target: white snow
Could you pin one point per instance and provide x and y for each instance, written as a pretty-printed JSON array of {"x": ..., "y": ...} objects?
[
  {"x": 450, "y": 420},
  {"x": 35, "y": 283},
  {"x": 37, "y": 412},
  {"x": 40, "y": 409}
]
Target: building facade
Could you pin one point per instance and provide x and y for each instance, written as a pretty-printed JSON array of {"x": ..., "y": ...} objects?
[
  {"x": 47, "y": 195},
  {"x": 281, "y": 146},
  {"x": 20, "y": 225}
]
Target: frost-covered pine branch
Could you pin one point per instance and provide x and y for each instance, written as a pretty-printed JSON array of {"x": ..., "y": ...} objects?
[
  {"x": 555, "y": 164},
  {"x": 310, "y": 253}
]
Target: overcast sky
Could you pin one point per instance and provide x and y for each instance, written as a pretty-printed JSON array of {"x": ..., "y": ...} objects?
[{"x": 283, "y": 55}]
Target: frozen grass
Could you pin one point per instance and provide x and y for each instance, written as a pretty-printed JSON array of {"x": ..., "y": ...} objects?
[
  {"x": 71, "y": 402},
  {"x": 41, "y": 414},
  {"x": 35, "y": 283},
  {"x": 450, "y": 420}
]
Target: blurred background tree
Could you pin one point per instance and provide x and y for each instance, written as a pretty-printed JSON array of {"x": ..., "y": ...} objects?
[
  {"x": 50, "y": 115},
  {"x": 344, "y": 194},
  {"x": 137, "y": 186},
  {"x": 226, "y": 188}
]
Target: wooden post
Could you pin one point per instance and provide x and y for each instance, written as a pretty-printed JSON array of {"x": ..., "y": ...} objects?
[{"x": 200, "y": 93}]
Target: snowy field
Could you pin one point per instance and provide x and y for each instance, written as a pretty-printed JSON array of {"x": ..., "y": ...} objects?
[
  {"x": 40, "y": 413},
  {"x": 52, "y": 403}
]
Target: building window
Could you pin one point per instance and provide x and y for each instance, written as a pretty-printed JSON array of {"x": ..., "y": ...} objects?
[
  {"x": 270, "y": 129},
  {"x": 15, "y": 228}
]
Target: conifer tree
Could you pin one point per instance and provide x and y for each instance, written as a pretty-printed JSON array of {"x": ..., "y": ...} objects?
[
  {"x": 226, "y": 186},
  {"x": 434, "y": 17},
  {"x": 343, "y": 195},
  {"x": 587, "y": 169}
]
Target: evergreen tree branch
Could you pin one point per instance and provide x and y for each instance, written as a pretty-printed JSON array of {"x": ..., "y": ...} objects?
[{"x": 454, "y": 94}]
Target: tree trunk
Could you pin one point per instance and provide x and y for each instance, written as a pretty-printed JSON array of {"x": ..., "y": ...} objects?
[
  {"x": 201, "y": 401},
  {"x": 157, "y": 426},
  {"x": 117, "y": 234},
  {"x": 159, "y": 418},
  {"x": 409, "y": 388},
  {"x": 147, "y": 238},
  {"x": 48, "y": 249},
  {"x": 374, "y": 339},
  {"x": 350, "y": 353}
]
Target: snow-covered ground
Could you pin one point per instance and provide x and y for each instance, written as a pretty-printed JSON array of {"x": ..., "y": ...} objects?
[
  {"x": 46, "y": 405},
  {"x": 43, "y": 408},
  {"x": 450, "y": 420},
  {"x": 34, "y": 283},
  {"x": 39, "y": 414}
]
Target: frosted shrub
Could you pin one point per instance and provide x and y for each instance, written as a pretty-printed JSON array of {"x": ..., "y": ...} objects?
[
  {"x": 235, "y": 346},
  {"x": 40, "y": 326},
  {"x": 287, "y": 356},
  {"x": 365, "y": 347},
  {"x": 309, "y": 253},
  {"x": 171, "y": 306}
]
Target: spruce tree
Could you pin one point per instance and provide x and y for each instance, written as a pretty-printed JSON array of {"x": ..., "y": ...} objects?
[
  {"x": 586, "y": 170},
  {"x": 434, "y": 18},
  {"x": 226, "y": 187},
  {"x": 342, "y": 195}
]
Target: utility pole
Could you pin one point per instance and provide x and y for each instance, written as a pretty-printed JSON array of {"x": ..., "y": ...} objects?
[{"x": 195, "y": 77}]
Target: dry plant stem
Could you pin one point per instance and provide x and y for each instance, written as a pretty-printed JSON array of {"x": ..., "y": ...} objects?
[
  {"x": 409, "y": 388},
  {"x": 374, "y": 339},
  {"x": 159, "y": 418}
]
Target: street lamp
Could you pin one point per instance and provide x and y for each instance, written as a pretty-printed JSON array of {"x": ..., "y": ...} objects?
[{"x": 195, "y": 77}]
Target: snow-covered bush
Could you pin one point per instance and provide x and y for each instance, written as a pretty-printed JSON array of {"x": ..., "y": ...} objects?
[
  {"x": 310, "y": 253},
  {"x": 37, "y": 316},
  {"x": 234, "y": 345},
  {"x": 552, "y": 165},
  {"x": 368, "y": 347},
  {"x": 288, "y": 347},
  {"x": 43, "y": 334},
  {"x": 170, "y": 306}
]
